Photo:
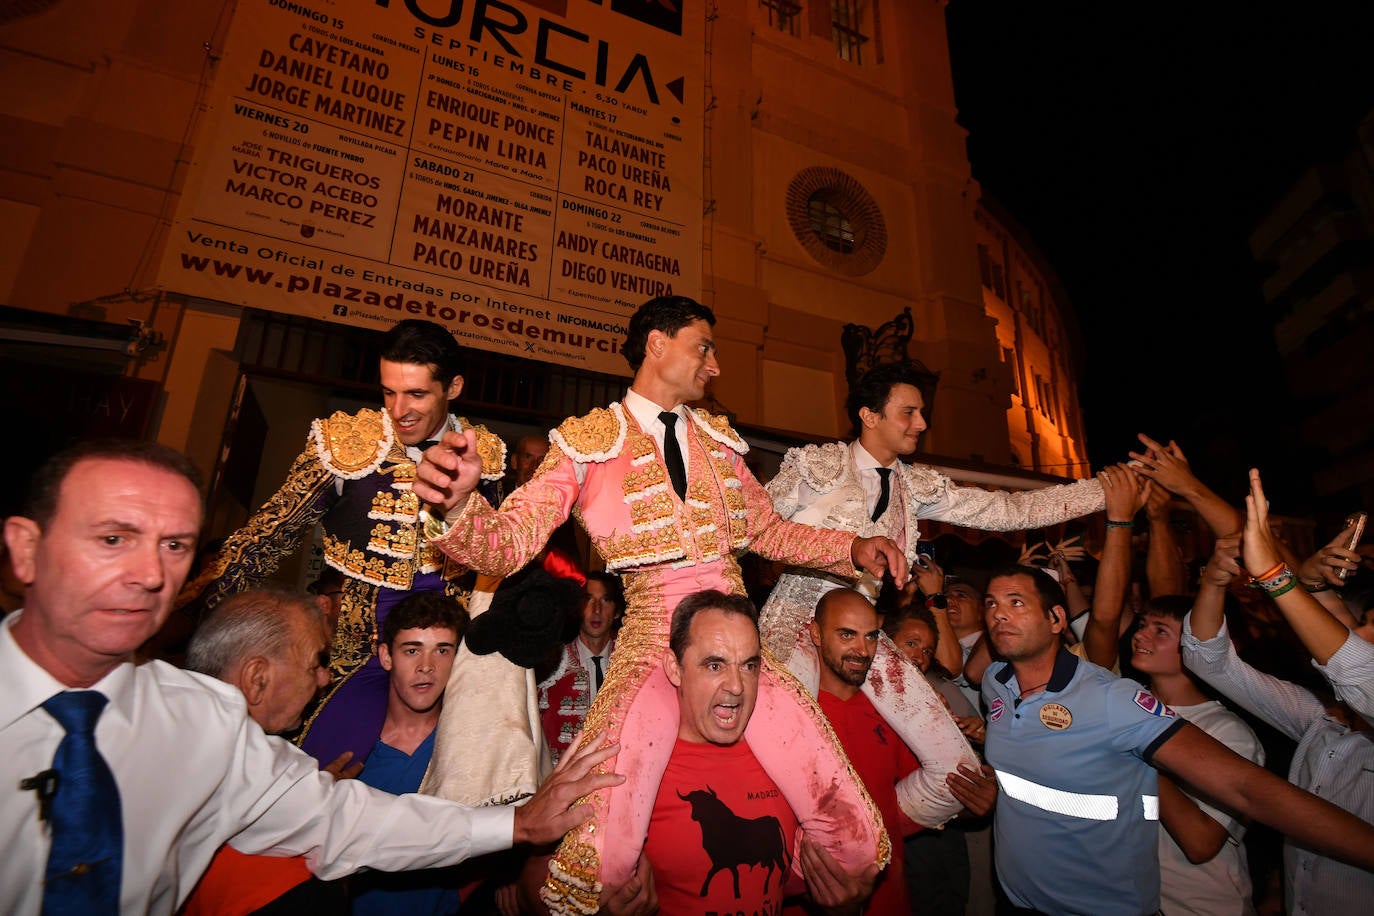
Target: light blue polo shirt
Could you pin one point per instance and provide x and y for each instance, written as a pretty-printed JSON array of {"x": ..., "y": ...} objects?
[{"x": 1076, "y": 825}]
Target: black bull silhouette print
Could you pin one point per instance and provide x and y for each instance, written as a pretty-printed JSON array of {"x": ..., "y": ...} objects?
[{"x": 731, "y": 841}]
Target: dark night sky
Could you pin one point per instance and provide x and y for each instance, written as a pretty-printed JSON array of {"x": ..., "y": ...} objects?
[{"x": 1138, "y": 145}]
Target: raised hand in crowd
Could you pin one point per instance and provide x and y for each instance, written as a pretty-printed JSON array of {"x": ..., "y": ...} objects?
[
  {"x": 1320, "y": 574},
  {"x": 1321, "y": 632},
  {"x": 930, "y": 579},
  {"x": 1040, "y": 553},
  {"x": 1222, "y": 568},
  {"x": 1126, "y": 493},
  {"x": 1037, "y": 554},
  {"x": 1165, "y": 571},
  {"x": 1070, "y": 549},
  {"x": 1074, "y": 593},
  {"x": 1167, "y": 466}
]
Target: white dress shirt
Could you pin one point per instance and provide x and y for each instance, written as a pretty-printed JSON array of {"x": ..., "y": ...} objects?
[
  {"x": 1331, "y": 762},
  {"x": 1350, "y": 671},
  {"x": 646, "y": 414},
  {"x": 867, "y": 467},
  {"x": 194, "y": 771},
  {"x": 584, "y": 655}
]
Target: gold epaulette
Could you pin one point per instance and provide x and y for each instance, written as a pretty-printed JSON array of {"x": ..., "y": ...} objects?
[
  {"x": 352, "y": 445},
  {"x": 490, "y": 448},
  {"x": 597, "y": 436},
  {"x": 717, "y": 426}
]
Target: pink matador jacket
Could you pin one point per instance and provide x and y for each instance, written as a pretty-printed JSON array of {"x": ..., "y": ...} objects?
[{"x": 608, "y": 472}]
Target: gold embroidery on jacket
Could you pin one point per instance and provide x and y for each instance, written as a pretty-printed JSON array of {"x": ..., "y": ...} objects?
[
  {"x": 355, "y": 443},
  {"x": 595, "y": 436},
  {"x": 491, "y": 450}
]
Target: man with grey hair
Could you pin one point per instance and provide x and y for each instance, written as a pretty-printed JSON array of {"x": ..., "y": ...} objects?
[
  {"x": 272, "y": 646},
  {"x": 269, "y": 644}
]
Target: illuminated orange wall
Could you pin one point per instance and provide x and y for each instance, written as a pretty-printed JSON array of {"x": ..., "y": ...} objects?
[{"x": 97, "y": 100}]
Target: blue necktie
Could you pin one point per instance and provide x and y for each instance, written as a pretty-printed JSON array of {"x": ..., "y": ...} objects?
[{"x": 86, "y": 861}]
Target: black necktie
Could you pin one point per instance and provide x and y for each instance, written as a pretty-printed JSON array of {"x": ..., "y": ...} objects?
[
  {"x": 86, "y": 861},
  {"x": 672, "y": 453},
  {"x": 600, "y": 676},
  {"x": 884, "y": 494}
]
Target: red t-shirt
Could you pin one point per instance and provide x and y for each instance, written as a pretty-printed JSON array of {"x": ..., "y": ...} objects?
[
  {"x": 881, "y": 759},
  {"x": 718, "y": 815}
]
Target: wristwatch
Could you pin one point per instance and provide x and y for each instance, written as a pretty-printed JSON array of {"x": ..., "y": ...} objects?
[{"x": 937, "y": 601}]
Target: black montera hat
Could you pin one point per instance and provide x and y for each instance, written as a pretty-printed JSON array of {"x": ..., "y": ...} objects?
[{"x": 526, "y": 617}]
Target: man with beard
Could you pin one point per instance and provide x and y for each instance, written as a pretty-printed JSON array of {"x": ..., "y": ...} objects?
[{"x": 845, "y": 632}]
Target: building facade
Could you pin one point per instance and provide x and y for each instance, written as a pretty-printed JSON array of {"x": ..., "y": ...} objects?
[
  {"x": 1315, "y": 251},
  {"x": 840, "y": 224}
]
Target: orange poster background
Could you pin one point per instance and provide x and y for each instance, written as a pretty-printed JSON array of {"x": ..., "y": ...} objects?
[{"x": 526, "y": 180}]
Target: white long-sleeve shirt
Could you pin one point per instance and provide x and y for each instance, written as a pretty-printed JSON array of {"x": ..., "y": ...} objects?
[
  {"x": 1331, "y": 762},
  {"x": 194, "y": 771},
  {"x": 1350, "y": 671}
]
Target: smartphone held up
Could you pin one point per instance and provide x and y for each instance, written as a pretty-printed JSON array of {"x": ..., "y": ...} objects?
[{"x": 1355, "y": 525}]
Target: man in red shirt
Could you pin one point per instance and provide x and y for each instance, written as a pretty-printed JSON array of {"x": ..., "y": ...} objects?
[
  {"x": 845, "y": 633},
  {"x": 722, "y": 838}
]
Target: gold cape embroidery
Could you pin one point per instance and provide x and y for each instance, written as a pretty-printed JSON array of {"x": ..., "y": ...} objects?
[
  {"x": 718, "y": 428},
  {"x": 596, "y": 436},
  {"x": 490, "y": 449},
  {"x": 353, "y": 445}
]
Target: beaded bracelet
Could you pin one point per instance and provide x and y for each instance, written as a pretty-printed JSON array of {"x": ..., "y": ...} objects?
[
  {"x": 1283, "y": 589},
  {"x": 1273, "y": 584},
  {"x": 1112, "y": 523}
]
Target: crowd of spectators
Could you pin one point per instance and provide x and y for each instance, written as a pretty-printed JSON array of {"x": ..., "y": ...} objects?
[{"x": 1211, "y": 725}]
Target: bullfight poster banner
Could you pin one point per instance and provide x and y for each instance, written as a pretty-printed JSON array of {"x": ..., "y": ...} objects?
[{"x": 524, "y": 173}]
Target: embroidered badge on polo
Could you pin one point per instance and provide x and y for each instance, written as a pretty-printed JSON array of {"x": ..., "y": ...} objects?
[
  {"x": 1150, "y": 703},
  {"x": 996, "y": 709},
  {"x": 1056, "y": 716}
]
